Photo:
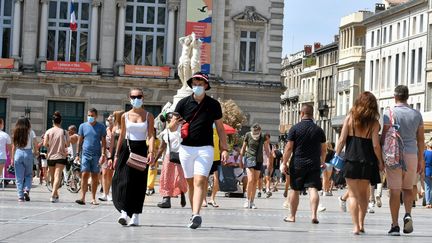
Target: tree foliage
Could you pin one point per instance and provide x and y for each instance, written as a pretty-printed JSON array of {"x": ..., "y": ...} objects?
[{"x": 232, "y": 114}]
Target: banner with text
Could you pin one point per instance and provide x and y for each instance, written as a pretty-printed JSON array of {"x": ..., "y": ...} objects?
[
  {"x": 72, "y": 67},
  {"x": 149, "y": 71},
  {"x": 199, "y": 21},
  {"x": 6, "y": 63}
]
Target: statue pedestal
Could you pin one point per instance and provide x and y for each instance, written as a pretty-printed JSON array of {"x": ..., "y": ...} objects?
[{"x": 181, "y": 93}]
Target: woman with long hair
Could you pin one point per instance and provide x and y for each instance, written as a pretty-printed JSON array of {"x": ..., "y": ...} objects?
[
  {"x": 129, "y": 184},
  {"x": 22, "y": 157},
  {"x": 57, "y": 142},
  {"x": 362, "y": 155},
  {"x": 113, "y": 124},
  {"x": 172, "y": 180}
]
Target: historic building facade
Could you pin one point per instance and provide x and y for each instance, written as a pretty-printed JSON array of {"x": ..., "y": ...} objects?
[
  {"x": 119, "y": 44},
  {"x": 396, "y": 42}
]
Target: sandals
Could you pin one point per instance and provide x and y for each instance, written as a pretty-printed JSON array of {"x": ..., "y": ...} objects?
[
  {"x": 428, "y": 206},
  {"x": 288, "y": 220},
  {"x": 213, "y": 204},
  {"x": 315, "y": 221},
  {"x": 80, "y": 202},
  {"x": 94, "y": 203}
]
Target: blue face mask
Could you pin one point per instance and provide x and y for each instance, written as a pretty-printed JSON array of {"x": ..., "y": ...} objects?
[
  {"x": 198, "y": 90},
  {"x": 136, "y": 103},
  {"x": 90, "y": 119}
]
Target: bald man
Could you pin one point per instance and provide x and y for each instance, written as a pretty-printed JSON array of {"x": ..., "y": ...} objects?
[{"x": 307, "y": 145}]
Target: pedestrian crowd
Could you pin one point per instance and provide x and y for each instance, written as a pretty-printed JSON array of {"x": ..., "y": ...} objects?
[{"x": 122, "y": 157}]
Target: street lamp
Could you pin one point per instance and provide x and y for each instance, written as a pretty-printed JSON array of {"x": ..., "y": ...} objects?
[
  {"x": 323, "y": 110},
  {"x": 27, "y": 111}
]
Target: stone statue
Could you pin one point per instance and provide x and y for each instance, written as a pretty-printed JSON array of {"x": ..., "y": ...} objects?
[
  {"x": 184, "y": 67},
  {"x": 196, "y": 55}
]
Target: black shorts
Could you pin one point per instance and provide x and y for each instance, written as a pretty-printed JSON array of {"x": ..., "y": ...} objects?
[
  {"x": 53, "y": 162},
  {"x": 300, "y": 179},
  {"x": 215, "y": 166}
]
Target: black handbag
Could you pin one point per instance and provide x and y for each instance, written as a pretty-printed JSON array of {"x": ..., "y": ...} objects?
[{"x": 173, "y": 156}]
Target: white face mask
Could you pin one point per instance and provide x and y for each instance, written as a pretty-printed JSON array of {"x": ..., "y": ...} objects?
[
  {"x": 198, "y": 90},
  {"x": 107, "y": 123}
]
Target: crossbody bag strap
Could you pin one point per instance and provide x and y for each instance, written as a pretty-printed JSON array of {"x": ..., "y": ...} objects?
[
  {"x": 200, "y": 106},
  {"x": 127, "y": 136},
  {"x": 169, "y": 142}
]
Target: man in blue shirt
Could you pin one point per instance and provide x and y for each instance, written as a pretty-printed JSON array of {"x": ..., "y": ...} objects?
[{"x": 92, "y": 138}]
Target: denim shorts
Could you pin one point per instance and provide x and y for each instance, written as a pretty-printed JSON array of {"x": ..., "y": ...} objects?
[{"x": 90, "y": 163}]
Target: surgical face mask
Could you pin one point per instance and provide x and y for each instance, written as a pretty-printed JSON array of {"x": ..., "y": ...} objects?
[
  {"x": 136, "y": 103},
  {"x": 107, "y": 123},
  {"x": 90, "y": 119},
  {"x": 198, "y": 90}
]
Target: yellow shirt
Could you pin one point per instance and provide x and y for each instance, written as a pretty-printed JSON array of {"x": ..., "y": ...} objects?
[{"x": 217, "y": 155}]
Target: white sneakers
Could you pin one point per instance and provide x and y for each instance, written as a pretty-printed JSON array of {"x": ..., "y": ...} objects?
[
  {"x": 378, "y": 201},
  {"x": 370, "y": 207},
  {"x": 134, "y": 220},
  {"x": 246, "y": 204},
  {"x": 123, "y": 218}
]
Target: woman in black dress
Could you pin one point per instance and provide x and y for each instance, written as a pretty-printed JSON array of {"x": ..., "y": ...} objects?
[
  {"x": 362, "y": 155},
  {"x": 129, "y": 185}
]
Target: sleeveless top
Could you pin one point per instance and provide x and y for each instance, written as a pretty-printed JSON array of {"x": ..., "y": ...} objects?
[
  {"x": 360, "y": 149},
  {"x": 136, "y": 131}
]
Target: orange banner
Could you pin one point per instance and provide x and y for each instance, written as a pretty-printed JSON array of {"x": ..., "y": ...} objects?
[
  {"x": 6, "y": 63},
  {"x": 151, "y": 71},
  {"x": 73, "y": 67}
]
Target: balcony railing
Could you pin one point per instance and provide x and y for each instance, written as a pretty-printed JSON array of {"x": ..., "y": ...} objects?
[
  {"x": 343, "y": 85},
  {"x": 352, "y": 52},
  {"x": 293, "y": 93}
]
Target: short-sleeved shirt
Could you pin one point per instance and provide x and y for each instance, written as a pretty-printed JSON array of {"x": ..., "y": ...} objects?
[
  {"x": 93, "y": 136},
  {"x": 31, "y": 136},
  {"x": 307, "y": 138},
  {"x": 428, "y": 159},
  {"x": 201, "y": 128},
  {"x": 57, "y": 140},
  {"x": 254, "y": 148},
  {"x": 409, "y": 121},
  {"x": 4, "y": 139}
]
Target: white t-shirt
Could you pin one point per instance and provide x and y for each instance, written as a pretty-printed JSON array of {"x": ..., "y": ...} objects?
[
  {"x": 175, "y": 139},
  {"x": 31, "y": 136},
  {"x": 4, "y": 139}
]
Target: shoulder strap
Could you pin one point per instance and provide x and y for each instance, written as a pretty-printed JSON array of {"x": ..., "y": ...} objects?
[{"x": 199, "y": 108}]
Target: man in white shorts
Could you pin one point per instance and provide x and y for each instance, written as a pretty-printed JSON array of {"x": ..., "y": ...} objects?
[{"x": 196, "y": 151}]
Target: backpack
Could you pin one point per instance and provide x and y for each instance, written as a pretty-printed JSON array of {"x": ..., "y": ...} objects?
[{"x": 392, "y": 149}]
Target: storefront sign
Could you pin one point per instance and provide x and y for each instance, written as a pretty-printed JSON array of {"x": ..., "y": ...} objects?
[
  {"x": 150, "y": 71},
  {"x": 199, "y": 21},
  {"x": 6, "y": 63},
  {"x": 73, "y": 67}
]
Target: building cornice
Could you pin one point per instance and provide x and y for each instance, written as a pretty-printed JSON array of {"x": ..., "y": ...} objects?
[{"x": 394, "y": 10}]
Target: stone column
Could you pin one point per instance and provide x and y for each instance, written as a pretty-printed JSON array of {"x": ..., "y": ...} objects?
[
  {"x": 353, "y": 36},
  {"x": 121, "y": 31},
  {"x": 171, "y": 36},
  {"x": 341, "y": 40},
  {"x": 43, "y": 33},
  {"x": 94, "y": 30},
  {"x": 107, "y": 37},
  {"x": 30, "y": 34},
  {"x": 16, "y": 29}
]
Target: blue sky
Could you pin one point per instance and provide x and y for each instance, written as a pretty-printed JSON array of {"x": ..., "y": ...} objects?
[{"x": 309, "y": 21}]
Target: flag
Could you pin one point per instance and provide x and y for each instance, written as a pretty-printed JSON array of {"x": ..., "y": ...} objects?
[{"x": 73, "y": 23}]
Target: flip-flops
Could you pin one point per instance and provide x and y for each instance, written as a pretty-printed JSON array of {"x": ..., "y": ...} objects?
[
  {"x": 315, "y": 221},
  {"x": 80, "y": 202},
  {"x": 94, "y": 203},
  {"x": 288, "y": 220},
  {"x": 213, "y": 204}
]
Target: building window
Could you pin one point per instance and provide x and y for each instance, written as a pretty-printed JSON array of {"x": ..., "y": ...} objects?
[
  {"x": 383, "y": 73},
  {"x": 412, "y": 67},
  {"x": 145, "y": 32},
  {"x": 72, "y": 113},
  {"x": 372, "y": 38},
  {"x": 404, "y": 28},
  {"x": 248, "y": 51},
  {"x": 396, "y": 79},
  {"x": 59, "y": 33},
  {"x": 389, "y": 71},
  {"x": 6, "y": 7},
  {"x": 390, "y": 33},
  {"x": 403, "y": 69},
  {"x": 347, "y": 102},
  {"x": 384, "y": 35},
  {"x": 421, "y": 24},
  {"x": 376, "y": 79},
  {"x": 340, "y": 103},
  {"x": 414, "y": 26},
  {"x": 371, "y": 76},
  {"x": 420, "y": 65},
  {"x": 398, "y": 31},
  {"x": 418, "y": 106},
  {"x": 378, "y": 37}
]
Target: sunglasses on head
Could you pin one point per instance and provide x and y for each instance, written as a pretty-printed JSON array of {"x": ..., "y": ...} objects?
[{"x": 136, "y": 96}]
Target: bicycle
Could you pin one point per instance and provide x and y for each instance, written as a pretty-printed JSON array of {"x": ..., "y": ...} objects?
[{"x": 73, "y": 175}]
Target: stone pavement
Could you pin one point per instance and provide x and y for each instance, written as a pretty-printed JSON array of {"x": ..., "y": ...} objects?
[{"x": 42, "y": 221}]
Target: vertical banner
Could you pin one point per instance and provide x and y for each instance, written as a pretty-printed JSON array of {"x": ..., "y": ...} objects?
[{"x": 199, "y": 21}]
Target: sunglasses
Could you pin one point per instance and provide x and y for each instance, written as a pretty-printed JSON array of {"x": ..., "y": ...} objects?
[{"x": 136, "y": 96}]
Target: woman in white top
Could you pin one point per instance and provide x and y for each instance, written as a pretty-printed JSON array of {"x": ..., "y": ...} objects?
[
  {"x": 5, "y": 147},
  {"x": 172, "y": 181},
  {"x": 22, "y": 157},
  {"x": 129, "y": 185}
]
